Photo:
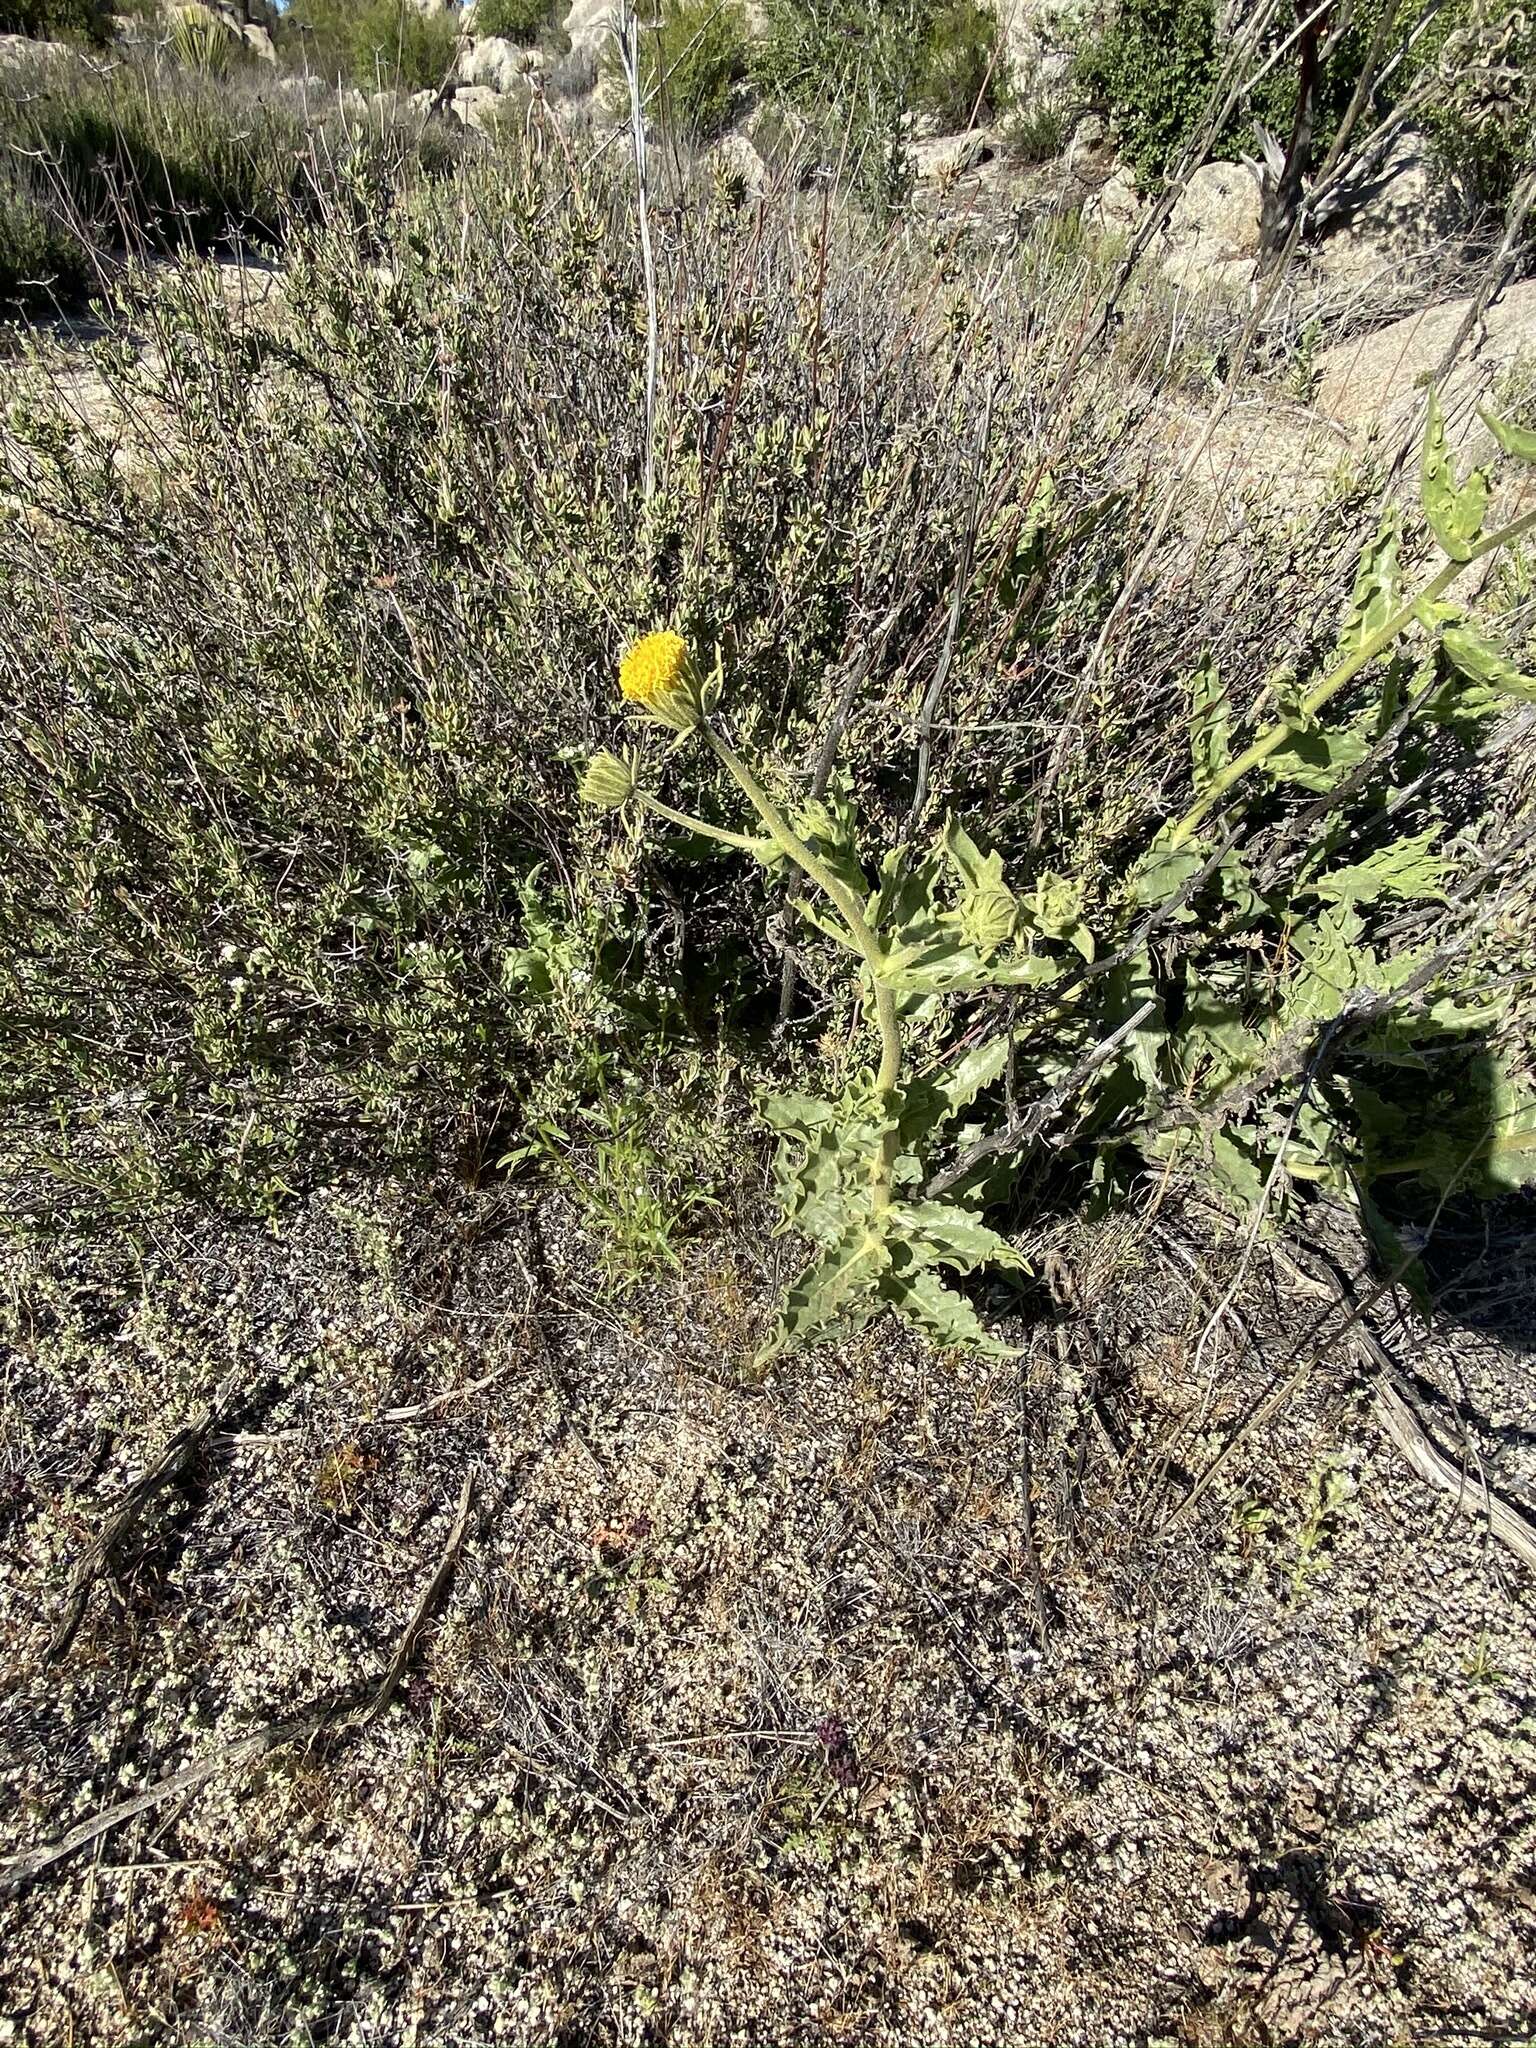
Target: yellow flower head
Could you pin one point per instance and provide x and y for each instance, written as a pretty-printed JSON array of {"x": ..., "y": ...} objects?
[{"x": 658, "y": 674}]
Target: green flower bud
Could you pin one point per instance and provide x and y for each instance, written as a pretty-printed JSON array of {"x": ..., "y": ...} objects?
[
  {"x": 988, "y": 919},
  {"x": 608, "y": 783}
]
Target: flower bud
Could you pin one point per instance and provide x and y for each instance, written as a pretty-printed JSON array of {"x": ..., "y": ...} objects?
[
  {"x": 608, "y": 783},
  {"x": 989, "y": 919}
]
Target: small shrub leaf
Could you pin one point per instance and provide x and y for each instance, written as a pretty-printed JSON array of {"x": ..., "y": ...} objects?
[
  {"x": 1408, "y": 868},
  {"x": 1480, "y": 662},
  {"x": 940, "y": 1234},
  {"x": 944, "y": 1317},
  {"x": 1378, "y": 587}
]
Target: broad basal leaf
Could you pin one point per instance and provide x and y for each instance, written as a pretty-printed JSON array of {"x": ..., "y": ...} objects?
[
  {"x": 821, "y": 1166},
  {"x": 1210, "y": 725},
  {"x": 1330, "y": 966},
  {"x": 958, "y": 1086},
  {"x": 1163, "y": 871},
  {"x": 1378, "y": 587},
  {"x": 1481, "y": 662},
  {"x": 942, "y": 1234},
  {"x": 1409, "y": 868},
  {"x": 1454, "y": 511},
  {"x": 944, "y": 1317},
  {"x": 1317, "y": 760},
  {"x": 837, "y": 1286}
]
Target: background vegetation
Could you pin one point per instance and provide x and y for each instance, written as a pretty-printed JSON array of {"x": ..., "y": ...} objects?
[
  {"x": 373, "y": 44},
  {"x": 694, "y": 60},
  {"x": 86, "y": 21},
  {"x": 148, "y": 154},
  {"x": 1465, "y": 68},
  {"x": 860, "y": 68}
]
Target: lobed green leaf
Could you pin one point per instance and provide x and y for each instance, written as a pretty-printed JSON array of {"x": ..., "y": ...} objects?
[{"x": 1454, "y": 511}]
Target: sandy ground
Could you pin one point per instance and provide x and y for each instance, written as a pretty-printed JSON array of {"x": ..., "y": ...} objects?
[{"x": 896, "y": 1699}]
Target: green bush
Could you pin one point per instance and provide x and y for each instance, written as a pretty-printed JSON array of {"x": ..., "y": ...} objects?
[
  {"x": 170, "y": 156},
  {"x": 852, "y": 68},
  {"x": 147, "y": 154},
  {"x": 43, "y": 262},
  {"x": 1482, "y": 118},
  {"x": 857, "y": 68},
  {"x": 520, "y": 21},
  {"x": 301, "y": 644},
  {"x": 67, "y": 21},
  {"x": 1035, "y": 130},
  {"x": 1154, "y": 66},
  {"x": 388, "y": 42},
  {"x": 960, "y": 71},
  {"x": 692, "y": 64}
]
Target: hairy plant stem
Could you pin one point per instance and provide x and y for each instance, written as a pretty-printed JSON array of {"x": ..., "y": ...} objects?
[
  {"x": 688, "y": 824},
  {"x": 859, "y": 930},
  {"x": 1275, "y": 737}
]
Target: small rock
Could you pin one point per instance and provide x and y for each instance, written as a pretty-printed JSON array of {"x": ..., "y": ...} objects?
[
  {"x": 590, "y": 23},
  {"x": 1116, "y": 207},
  {"x": 480, "y": 106},
  {"x": 1088, "y": 148},
  {"x": 736, "y": 159},
  {"x": 1408, "y": 209},
  {"x": 947, "y": 157},
  {"x": 1218, "y": 211},
  {"x": 23, "y": 49}
]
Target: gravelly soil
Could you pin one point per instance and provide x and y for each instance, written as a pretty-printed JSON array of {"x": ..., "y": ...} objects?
[{"x": 893, "y": 1700}]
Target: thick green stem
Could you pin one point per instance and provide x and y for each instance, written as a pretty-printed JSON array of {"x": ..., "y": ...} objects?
[
  {"x": 851, "y": 911},
  {"x": 1275, "y": 737},
  {"x": 740, "y": 839}
]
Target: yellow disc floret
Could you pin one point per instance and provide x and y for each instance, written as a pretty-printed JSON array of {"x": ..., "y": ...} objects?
[{"x": 658, "y": 674}]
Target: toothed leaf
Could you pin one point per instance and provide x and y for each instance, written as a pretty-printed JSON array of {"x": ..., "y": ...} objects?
[{"x": 1454, "y": 511}]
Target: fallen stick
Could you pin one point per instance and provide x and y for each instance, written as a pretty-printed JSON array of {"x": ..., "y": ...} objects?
[
  {"x": 16, "y": 1872},
  {"x": 169, "y": 1466}
]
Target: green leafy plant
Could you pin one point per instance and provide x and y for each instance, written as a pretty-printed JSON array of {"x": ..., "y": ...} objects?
[
  {"x": 960, "y": 67},
  {"x": 42, "y": 260},
  {"x": 200, "y": 39},
  {"x": 78, "y": 21},
  {"x": 389, "y": 42},
  {"x": 851, "y": 68},
  {"x": 693, "y": 61},
  {"x": 1328, "y": 1493},
  {"x": 1154, "y": 65},
  {"x": 885, "y": 1177},
  {"x": 520, "y": 21}
]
